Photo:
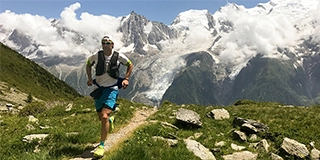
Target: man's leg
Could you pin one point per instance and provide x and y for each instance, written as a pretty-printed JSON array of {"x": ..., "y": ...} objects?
[
  {"x": 104, "y": 119},
  {"x": 104, "y": 123},
  {"x": 109, "y": 98}
]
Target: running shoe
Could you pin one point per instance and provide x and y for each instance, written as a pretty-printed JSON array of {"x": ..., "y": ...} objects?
[
  {"x": 111, "y": 122},
  {"x": 99, "y": 152}
]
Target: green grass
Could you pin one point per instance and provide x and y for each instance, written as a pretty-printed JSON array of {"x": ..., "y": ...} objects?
[
  {"x": 292, "y": 122},
  {"x": 295, "y": 123},
  {"x": 81, "y": 119}
]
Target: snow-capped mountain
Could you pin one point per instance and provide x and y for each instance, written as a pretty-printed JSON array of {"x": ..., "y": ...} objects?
[{"x": 201, "y": 57}]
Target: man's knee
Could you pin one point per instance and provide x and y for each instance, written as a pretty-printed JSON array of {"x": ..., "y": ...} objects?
[
  {"x": 105, "y": 116},
  {"x": 105, "y": 113}
]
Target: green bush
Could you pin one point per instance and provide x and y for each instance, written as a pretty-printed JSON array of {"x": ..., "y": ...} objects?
[
  {"x": 244, "y": 102},
  {"x": 33, "y": 109},
  {"x": 29, "y": 98}
]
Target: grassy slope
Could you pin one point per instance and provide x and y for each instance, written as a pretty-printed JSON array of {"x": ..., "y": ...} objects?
[{"x": 29, "y": 77}]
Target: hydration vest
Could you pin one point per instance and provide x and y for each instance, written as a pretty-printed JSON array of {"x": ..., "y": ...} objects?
[{"x": 113, "y": 67}]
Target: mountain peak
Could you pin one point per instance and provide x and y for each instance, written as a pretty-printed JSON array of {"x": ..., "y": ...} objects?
[
  {"x": 192, "y": 18},
  {"x": 229, "y": 6}
]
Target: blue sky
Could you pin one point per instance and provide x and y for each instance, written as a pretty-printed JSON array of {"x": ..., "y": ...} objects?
[{"x": 155, "y": 10}]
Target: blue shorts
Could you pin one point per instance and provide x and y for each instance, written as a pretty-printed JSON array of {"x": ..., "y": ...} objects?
[{"x": 107, "y": 100}]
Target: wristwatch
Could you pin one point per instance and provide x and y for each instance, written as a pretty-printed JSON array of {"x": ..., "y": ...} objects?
[{"x": 126, "y": 79}]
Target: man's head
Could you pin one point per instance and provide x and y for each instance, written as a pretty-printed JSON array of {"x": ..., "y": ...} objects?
[{"x": 106, "y": 41}]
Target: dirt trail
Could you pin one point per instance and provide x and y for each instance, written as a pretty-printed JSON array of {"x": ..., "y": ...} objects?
[{"x": 116, "y": 138}]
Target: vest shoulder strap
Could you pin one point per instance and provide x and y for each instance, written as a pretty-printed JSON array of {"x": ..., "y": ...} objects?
[
  {"x": 114, "y": 58},
  {"x": 101, "y": 67},
  {"x": 113, "y": 67}
]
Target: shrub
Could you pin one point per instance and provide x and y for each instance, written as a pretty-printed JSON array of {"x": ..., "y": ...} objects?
[
  {"x": 244, "y": 102},
  {"x": 29, "y": 98},
  {"x": 32, "y": 109}
]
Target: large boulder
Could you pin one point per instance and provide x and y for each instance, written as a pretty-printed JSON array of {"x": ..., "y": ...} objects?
[
  {"x": 219, "y": 114},
  {"x": 199, "y": 150},
  {"x": 295, "y": 148},
  {"x": 188, "y": 117}
]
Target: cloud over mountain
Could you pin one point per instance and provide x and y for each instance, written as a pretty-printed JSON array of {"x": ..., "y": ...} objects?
[
  {"x": 231, "y": 37},
  {"x": 255, "y": 30}
]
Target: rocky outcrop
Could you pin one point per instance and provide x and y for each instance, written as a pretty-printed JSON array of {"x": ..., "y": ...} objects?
[{"x": 133, "y": 29}]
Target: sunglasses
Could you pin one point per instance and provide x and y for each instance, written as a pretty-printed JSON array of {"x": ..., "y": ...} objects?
[{"x": 108, "y": 42}]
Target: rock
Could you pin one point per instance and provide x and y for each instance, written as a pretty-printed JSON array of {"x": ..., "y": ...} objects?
[
  {"x": 71, "y": 134},
  {"x": 219, "y": 114},
  {"x": 312, "y": 144},
  {"x": 275, "y": 157},
  {"x": 244, "y": 155},
  {"x": 30, "y": 138},
  {"x": 253, "y": 145},
  {"x": 220, "y": 144},
  {"x": 293, "y": 147},
  {"x": 197, "y": 135},
  {"x": 171, "y": 142},
  {"x": 86, "y": 110},
  {"x": 199, "y": 150},
  {"x": 253, "y": 137},
  {"x": 264, "y": 145},
  {"x": 69, "y": 107},
  {"x": 188, "y": 117},
  {"x": 236, "y": 147},
  {"x": 30, "y": 127},
  {"x": 238, "y": 135},
  {"x": 33, "y": 119},
  {"x": 44, "y": 127},
  {"x": 315, "y": 154},
  {"x": 166, "y": 124},
  {"x": 249, "y": 126},
  {"x": 9, "y": 106}
]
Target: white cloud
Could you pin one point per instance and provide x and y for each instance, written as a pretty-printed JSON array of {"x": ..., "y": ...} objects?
[
  {"x": 256, "y": 34},
  {"x": 91, "y": 27},
  {"x": 315, "y": 16},
  {"x": 32, "y": 25},
  {"x": 68, "y": 16}
]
